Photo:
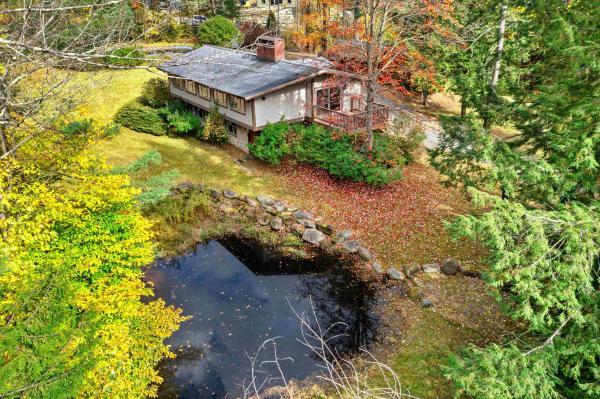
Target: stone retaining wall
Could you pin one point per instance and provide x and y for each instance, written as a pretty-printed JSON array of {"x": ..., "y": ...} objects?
[{"x": 278, "y": 216}]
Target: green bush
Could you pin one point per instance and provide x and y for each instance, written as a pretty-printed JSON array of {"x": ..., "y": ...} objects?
[
  {"x": 214, "y": 130},
  {"x": 112, "y": 129},
  {"x": 219, "y": 31},
  {"x": 141, "y": 118},
  {"x": 183, "y": 122},
  {"x": 80, "y": 126},
  {"x": 155, "y": 93},
  {"x": 316, "y": 145},
  {"x": 271, "y": 145},
  {"x": 125, "y": 56}
]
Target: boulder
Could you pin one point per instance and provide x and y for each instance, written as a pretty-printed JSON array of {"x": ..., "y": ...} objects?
[
  {"x": 341, "y": 236},
  {"x": 250, "y": 201},
  {"x": 364, "y": 253},
  {"x": 230, "y": 194},
  {"x": 313, "y": 236},
  {"x": 426, "y": 303},
  {"x": 325, "y": 228},
  {"x": 326, "y": 244},
  {"x": 377, "y": 267},
  {"x": 450, "y": 267},
  {"x": 184, "y": 186},
  {"x": 346, "y": 234},
  {"x": 395, "y": 274},
  {"x": 215, "y": 193},
  {"x": 307, "y": 223},
  {"x": 279, "y": 206},
  {"x": 301, "y": 215},
  {"x": 412, "y": 270},
  {"x": 276, "y": 224},
  {"x": 351, "y": 246},
  {"x": 431, "y": 268},
  {"x": 263, "y": 221},
  {"x": 265, "y": 200},
  {"x": 270, "y": 209},
  {"x": 291, "y": 209}
]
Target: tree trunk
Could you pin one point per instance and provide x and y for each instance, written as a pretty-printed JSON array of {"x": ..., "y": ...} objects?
[
  {"x": 463, "y": 107},
  {"x": 500, "y": 48},
  {"x": 213, "y": 7},
  {"x": 424, "y": 96}
]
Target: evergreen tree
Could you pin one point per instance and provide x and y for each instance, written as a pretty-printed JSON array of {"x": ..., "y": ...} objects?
[
  {"x": 544, "y": 231},
  {"x": 271, "y": 23},
  {"x": 230, "y": 9}
]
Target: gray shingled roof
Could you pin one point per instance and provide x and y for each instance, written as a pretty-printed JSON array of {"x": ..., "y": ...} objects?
[{"x": 240, "y": 73}]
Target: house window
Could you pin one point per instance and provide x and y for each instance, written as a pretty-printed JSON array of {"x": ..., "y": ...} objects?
[
  {"x": 204, "y": 91},
  {"x": 221, "y": 98},
  {"x": 276, "y": 2},
  {"x": 329, "y": 97},
  {"x": 231, "y": 128},
  {"x": 177, "y": 82},
  {"x": 355, "y": 103},
  {"x": 237, "y": 104},
  {"x": 190, "y": 87}
]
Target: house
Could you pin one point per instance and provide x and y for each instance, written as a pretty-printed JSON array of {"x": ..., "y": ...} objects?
[
  {"x": 275, "y": 5},
  {"x": 252, "y": 90}
]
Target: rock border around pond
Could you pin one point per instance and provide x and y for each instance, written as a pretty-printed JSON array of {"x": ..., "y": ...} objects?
[{"x": 278, "y": 216}]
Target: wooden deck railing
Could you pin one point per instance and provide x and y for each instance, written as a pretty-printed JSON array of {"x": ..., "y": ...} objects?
[{"x": 351, "y": 121}]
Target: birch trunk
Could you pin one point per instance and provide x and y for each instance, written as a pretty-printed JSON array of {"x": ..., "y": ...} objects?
[{"x": 500, "y": 48}]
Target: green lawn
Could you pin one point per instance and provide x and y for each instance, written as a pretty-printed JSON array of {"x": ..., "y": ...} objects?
[{"x": 400, "y": 223}]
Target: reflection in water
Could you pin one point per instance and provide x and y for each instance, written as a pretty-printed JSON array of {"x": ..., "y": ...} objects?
[{"x": 239, "y": 295}]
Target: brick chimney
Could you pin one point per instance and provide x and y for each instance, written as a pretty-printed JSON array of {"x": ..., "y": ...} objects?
[{"x": 270, "y": 48}]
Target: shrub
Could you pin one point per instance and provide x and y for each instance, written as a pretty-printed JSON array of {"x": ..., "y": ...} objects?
[
  {"x": 338, "y": 156},
  {"x": 219, "y": 31},
  {"x": 271, "y": 23},
  {"x": 271, "y": 145},
  {"x": 141, "y": 118},
  {"x": 112, "y": 129},
  {"x": 183, "y": 122},
  {"x": 125, "y": 56},
  {"x": 404, "y": 136},
  {"x": 77, "y": 127},
  {"x": 214, "y": 127},
  {"x": 155, "y": 93}
]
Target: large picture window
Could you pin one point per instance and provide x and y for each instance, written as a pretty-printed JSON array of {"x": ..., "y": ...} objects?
[
  {"x": 204, "y": 91},
  {"x": 190, "y": 87},
  {"x": 330, "y": 98},
  {"x": 221, "y": 98},
  {"x": 237, "y": 104}
]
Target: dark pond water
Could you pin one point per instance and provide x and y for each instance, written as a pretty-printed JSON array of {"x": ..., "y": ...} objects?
[{"x": 239, "y": 294}]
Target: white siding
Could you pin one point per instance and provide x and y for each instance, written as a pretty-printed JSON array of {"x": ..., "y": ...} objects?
[
  {"x": 353, "y": 88},
  {"x": 289, "y": 102},
  {"x": 205, "y": 104}
]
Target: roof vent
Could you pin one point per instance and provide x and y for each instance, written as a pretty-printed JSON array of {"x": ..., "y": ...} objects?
[{"x": 270, "y": 48}]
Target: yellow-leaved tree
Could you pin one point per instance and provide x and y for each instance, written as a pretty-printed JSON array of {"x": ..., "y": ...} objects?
[{"x": 74, "y": 321}]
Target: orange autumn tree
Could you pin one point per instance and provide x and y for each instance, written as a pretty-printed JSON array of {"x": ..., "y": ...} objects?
[
  {"x": 321, "y": 22},
  {"x": 392, "y": 43}
]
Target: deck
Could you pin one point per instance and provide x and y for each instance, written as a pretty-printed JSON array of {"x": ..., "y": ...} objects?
[{"x": 351, "y": 121}]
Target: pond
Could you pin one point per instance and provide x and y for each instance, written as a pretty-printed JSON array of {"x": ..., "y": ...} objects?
[{"x": 239, "y": 294}]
